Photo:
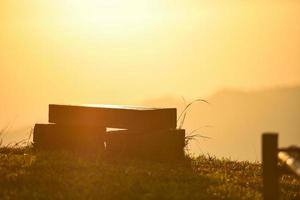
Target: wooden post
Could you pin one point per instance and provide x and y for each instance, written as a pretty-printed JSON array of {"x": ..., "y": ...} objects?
[{"x": 269, "y": 165}]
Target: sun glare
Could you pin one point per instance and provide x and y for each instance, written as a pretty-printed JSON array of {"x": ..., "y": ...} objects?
[{"x": 113, "y": 17}]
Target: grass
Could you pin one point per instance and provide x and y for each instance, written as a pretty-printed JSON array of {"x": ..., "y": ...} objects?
[{"x": 26, "y": 174}]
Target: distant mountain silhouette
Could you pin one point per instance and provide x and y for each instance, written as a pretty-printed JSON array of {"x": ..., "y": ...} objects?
[{"x": 235, "y": 120}]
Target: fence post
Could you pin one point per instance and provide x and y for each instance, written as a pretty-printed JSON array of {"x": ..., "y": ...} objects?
[{"x": 269, "y": 166}]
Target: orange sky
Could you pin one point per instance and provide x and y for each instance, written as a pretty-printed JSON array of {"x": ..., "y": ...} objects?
[{"x": 72, "y": 51}]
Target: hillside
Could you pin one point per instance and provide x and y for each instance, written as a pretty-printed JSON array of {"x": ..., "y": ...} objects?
[
  {"x": 65, "y": 176},
  {"x": 235, "y": 120}
]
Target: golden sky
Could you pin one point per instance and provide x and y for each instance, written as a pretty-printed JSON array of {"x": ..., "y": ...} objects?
[{"x": 122, "y": 51}]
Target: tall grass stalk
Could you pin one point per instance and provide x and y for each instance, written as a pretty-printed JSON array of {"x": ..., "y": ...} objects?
[
  {"x": 182, "y": 117},
  {"x": 183, "y": 114}
]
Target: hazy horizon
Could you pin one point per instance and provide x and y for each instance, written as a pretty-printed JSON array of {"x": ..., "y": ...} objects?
[{"x": 234, "y": 120}]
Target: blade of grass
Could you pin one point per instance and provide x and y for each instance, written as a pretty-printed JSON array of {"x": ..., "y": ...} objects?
[{"x": 184, "y": 112}]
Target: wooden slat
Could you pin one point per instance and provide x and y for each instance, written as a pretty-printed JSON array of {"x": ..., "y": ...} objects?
[
  {"x": 63, "y": 137},
  {"x": 134, "y": 118},
  {"x": 151, "y": 144}
]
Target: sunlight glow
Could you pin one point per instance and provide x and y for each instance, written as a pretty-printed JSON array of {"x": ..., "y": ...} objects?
[{"x": 113, "y": 17}]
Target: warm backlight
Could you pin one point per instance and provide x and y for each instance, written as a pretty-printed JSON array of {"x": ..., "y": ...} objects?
[{"x": 113, "y": 17}]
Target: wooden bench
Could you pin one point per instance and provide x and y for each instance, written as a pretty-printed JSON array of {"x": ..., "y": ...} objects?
[{"x": 149, "y": 132}]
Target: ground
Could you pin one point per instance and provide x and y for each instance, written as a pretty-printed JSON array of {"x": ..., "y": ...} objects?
[{"x": 26, "y": 174}]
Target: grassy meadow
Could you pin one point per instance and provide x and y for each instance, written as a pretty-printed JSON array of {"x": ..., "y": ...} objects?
[{"x": 26, "y": 174}]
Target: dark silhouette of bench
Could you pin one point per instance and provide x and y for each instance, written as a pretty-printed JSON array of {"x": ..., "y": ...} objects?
[{"x": 141, "y": 131}]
